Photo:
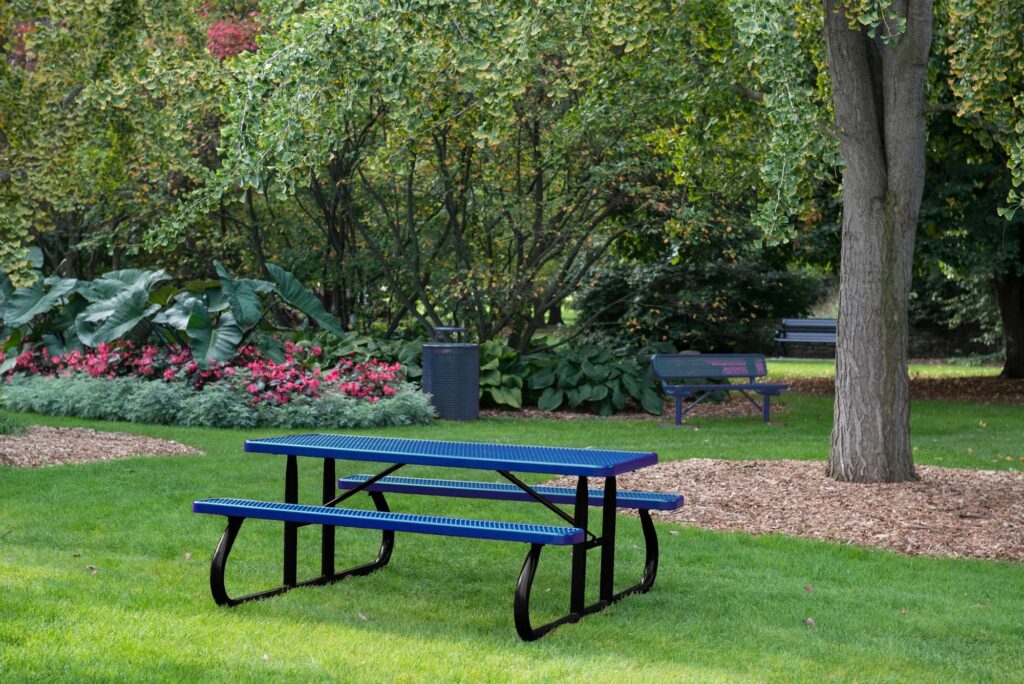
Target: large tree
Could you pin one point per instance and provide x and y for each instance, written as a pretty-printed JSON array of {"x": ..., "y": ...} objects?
[
  {"x": 873, "y": 62},
  {"x": 878, "y": 74}
]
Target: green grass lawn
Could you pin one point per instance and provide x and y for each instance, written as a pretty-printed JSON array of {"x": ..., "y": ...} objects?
[
  {"x": 779, "y": 369},
  {"x": 726, "y": 607}
]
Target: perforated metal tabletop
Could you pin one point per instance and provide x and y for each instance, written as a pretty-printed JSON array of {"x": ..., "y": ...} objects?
[{"x": 518, "y": 458}]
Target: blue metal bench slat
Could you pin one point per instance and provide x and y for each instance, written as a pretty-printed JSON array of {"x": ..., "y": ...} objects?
[
  {"x": 501, "y": 491},
  {"x": 810, "y": 330},
  {"x": 536, "y": 459},
  {"x": 669, "y": 367},
  {"x": 397, "y": 522},
  {"x": 763, "y": 387},
  {"x": 810, "y": 323}
]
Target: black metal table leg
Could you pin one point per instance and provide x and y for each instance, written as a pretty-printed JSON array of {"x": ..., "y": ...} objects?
[
  {"x": 608, "y": 540},
  {"x": 327, "y": 531},
  {"x": 291, "y": 530},
  {"x": 577, "y": 597}
]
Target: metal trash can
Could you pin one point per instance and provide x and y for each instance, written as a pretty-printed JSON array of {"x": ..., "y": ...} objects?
[{"x": 451, "y": 375}]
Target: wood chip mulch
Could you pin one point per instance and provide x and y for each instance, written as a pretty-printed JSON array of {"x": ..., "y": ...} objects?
[
  {"x": 46, "y": 446},
  {"x": 948, "y": 512},
  {"x": 980, "y": 389}
]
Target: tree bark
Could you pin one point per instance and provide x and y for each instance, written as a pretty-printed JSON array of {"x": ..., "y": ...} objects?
[
  {"x": 555, "y": 315},
  {"x": 1010, "y": 295},
  {"x": 878, "y": 93}
]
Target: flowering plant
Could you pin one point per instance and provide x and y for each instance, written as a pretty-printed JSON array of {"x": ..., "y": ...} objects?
[{"x": 262, "y": 379}]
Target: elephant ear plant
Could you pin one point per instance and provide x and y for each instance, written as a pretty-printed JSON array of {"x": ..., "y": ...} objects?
[{"x": 212, "y": 317}]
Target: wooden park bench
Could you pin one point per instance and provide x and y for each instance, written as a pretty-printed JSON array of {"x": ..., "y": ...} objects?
[
  {"x": 575, "y": 530},
  {"x": 805, "y": 331},
  {"x": 683, "y": 376}
]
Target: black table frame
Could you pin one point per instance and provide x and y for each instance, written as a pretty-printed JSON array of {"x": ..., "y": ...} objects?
[{"x": 578, "y": 607}]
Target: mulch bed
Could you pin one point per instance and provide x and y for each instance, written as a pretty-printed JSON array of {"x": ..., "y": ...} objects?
[
  {"x": 46, "y": 446},
  {"x": 948, "y": 512},
  {"x": 977, "y": 389}
]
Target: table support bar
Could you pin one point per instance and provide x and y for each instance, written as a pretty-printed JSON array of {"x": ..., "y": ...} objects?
[{"x": 545, "y": 501}]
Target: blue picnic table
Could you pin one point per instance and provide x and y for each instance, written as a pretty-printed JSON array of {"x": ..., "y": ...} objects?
[{"x": 574, "y": 530}]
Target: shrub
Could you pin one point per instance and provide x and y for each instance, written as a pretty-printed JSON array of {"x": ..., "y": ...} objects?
[
  {"x": 591, "y": 378},
  {"x": 707, "y": 306},
  {"x": 220, "y": 404},
  {"x": 158, "y": 403}
]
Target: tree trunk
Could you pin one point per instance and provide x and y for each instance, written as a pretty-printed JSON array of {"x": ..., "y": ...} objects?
[
  {"x": 555, "y": 315},
  {"x": 1010, "y": 295},
  {"x": 878, "y": 93}
]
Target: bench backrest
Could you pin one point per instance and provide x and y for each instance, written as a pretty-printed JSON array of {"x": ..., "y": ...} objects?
[
  {"x": 671, "y": 367},
  {"x": 823, "y": 325}
]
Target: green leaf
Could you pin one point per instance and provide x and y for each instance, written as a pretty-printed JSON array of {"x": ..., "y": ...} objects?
[
  {"x": 490, "y": 377},
  {"x": 618, "y": 399},
  {"x": 112, "y": 319},
  {"x": 8, "y": 363},
  {"x": 598, "y": 392},
  {"x": 632, "y": 386},
  {"x": 507, "y": 396},
  {"x": 272, "y": 348},
  {"x": 651, "y": 402},
  {"x": 177, "y": 315},
  {"x": 28, "y": 302},
  {"x": 544, "y": 377},
  {"x": 550, "y": 399},
  {"x": 292, "y": 291},
  {"x": 209, "y": 342},
  {"x": 99, "y": 290},
  {"x": 598, "y": 373},
  {"x": 578, "y": 395},
  {"x": 245, "y": 302},
  {"x": 569, "y": 377},
  {"x": 513, "y": 381}
]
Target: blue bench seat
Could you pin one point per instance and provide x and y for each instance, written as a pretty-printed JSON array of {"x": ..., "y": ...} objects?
[
  {"x": 509, "y": 492},
  {"x": 701, "y": 375},
  {"x": 805, "y": 331},
  {"x": 395, "y": 522}
]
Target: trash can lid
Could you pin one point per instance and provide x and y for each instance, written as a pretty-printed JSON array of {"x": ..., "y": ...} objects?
[{"x": 442, "y": 330}]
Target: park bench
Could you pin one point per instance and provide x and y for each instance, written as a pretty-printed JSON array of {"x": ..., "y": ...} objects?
[
  {"x": 683, "y": 376},
  {"x": 805, "y": 331},
  {"x": 502, "y": 459}
]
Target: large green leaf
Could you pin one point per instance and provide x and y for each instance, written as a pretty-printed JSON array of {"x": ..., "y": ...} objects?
[
  {"x": 652, "y": 402},
  {"x": 8, "y": 363},
  {"x": 550, "y": 399},
  {"x": 112, "y": 319},
  {"x": 245, "y": 302},
  {"x": 595, "y": 372},
  {"x": 209, "y": 341},
  {"x": 293, "y": 292},
  {"x": 177, "y": 315},
  {"x": 509, "y": 396},
  {"x": 542, "y": 378},
  {"x": 490, "y": 377},
  {"x": 28, "y": 302},
  {"x": 100, "y": 290}
]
